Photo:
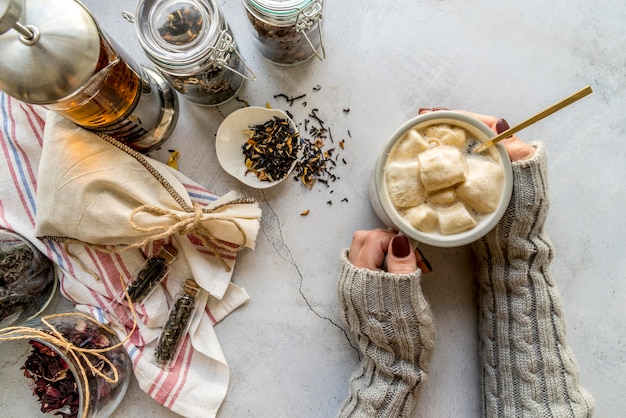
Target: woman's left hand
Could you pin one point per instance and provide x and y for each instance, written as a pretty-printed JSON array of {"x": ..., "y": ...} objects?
[{"x": 370, "y": 249}]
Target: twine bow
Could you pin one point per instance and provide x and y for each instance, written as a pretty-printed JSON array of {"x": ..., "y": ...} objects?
[
  {"x": 79, "y": 354},
  {"x": 190, "y": 224}
]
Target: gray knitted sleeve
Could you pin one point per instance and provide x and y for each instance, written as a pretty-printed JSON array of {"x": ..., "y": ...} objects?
[
  {"x": 395, "y": 332},
  {"x": 528, "y": 369}
]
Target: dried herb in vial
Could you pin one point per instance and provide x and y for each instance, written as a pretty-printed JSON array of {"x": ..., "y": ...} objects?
[
  {"x": 177, "y": 323},
  {"x": 271, "y": 149},
  {"x": 151, "y": 273}
]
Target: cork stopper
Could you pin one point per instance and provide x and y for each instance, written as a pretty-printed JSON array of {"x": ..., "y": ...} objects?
[
  {"x": 168, "y": 253},
  {"x": 191, "y": 287}
]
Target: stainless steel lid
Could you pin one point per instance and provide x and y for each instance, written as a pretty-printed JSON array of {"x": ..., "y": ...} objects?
[{"x": 51, "y": 52}]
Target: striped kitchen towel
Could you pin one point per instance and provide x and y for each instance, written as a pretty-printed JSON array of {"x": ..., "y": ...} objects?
[{"x": 196, "y": 385}]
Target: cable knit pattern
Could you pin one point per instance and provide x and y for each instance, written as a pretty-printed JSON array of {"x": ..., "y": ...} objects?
[
  {"x": 395, "y": 331},
  {"x": 528, "y": 369}
]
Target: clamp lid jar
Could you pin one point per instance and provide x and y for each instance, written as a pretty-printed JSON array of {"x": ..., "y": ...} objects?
[
  {"x": 287, "y": 32},
  {"x": 191, "y": 44},
  {"x": 72, "y": 364}
]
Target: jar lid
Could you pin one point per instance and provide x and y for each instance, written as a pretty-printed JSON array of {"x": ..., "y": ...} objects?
[
  {"x": 279, "y": 11},
  {"x": 281, "y": 6},
  {"x": 59, "y": 59},
  {"x": 176, "y": 33}
]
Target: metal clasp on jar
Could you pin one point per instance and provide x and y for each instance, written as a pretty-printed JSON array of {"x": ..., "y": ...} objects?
[
  {"x": 219, "y": 55},
  {"x": 307, "y": 17}
]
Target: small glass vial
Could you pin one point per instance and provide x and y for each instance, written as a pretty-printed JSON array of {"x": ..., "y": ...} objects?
[
  {"x": 177, "y": 324},
  {"x": 191, "y": 44},
  {"x": 287, "y": 32},
  {"x": 151, "y": 273}
]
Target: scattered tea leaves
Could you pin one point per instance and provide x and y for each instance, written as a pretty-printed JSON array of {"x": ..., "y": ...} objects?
[{"x": 291, "y": 99}]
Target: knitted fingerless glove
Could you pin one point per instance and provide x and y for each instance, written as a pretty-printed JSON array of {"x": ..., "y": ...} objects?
[
  {"x": 528, "y": 369},
  {"x": 395, "y": 332}
]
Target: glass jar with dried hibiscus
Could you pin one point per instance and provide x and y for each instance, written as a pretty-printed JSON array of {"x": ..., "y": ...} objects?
[
  {"x": 287, "y": 32},
  {"x": 75, "y": 366}
]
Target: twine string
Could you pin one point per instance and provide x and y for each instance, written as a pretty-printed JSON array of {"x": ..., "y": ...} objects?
[
  {"x": 188, "y": 225},
  {"x": 192, "y": 225},
  {"x": 80, "y": 354}
]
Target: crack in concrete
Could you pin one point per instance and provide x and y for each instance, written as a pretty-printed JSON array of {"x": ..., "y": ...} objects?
[{"x": 289, "y": 258}]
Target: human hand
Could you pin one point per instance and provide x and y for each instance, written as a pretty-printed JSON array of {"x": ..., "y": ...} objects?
[
  {"x": 515, "y": 147},
  {"x": 370, "y": 248}
]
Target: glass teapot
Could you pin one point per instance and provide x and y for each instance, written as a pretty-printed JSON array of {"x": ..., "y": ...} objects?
[{"x": 61, "y": 59}]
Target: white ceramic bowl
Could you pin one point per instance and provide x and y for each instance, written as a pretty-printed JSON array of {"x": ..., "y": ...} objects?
[
  {"x": 388, "y": 214},
  {"x": 231, "y": 136}
]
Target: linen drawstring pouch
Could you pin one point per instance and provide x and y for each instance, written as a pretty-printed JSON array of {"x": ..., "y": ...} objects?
[
  {"x": 102, "y": 193},
  {"x": 112, "y": 208}
]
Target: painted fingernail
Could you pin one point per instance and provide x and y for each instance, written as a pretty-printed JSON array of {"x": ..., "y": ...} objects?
[
  {"x": 400, "y": 246},
  {"x": 502, "y": 125}
]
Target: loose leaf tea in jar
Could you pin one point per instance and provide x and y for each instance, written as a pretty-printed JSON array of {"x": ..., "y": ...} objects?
[
  {"x": 27, "y": 280},
  {"x": 287, "y": 32},
  {"x": 191, "y": 44}
]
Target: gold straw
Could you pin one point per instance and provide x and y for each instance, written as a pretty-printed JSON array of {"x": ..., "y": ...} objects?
[{"x": 547, "y": 112}]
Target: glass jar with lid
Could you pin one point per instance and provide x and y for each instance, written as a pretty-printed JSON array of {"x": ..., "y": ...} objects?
[
  {"x": 72, "y": 364},
  {"x": 191, "y": 44},
  {"x": 287, "y": 32}
]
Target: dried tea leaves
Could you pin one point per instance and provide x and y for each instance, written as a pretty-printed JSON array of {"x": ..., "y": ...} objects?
[
  {"x": 27, "y": 280},
  {"x": 177, "y": 324},
  {"x": 271, "y": 149},
  {"x": 182, "y": 26},
  {"x": 317, "y": 162}
]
